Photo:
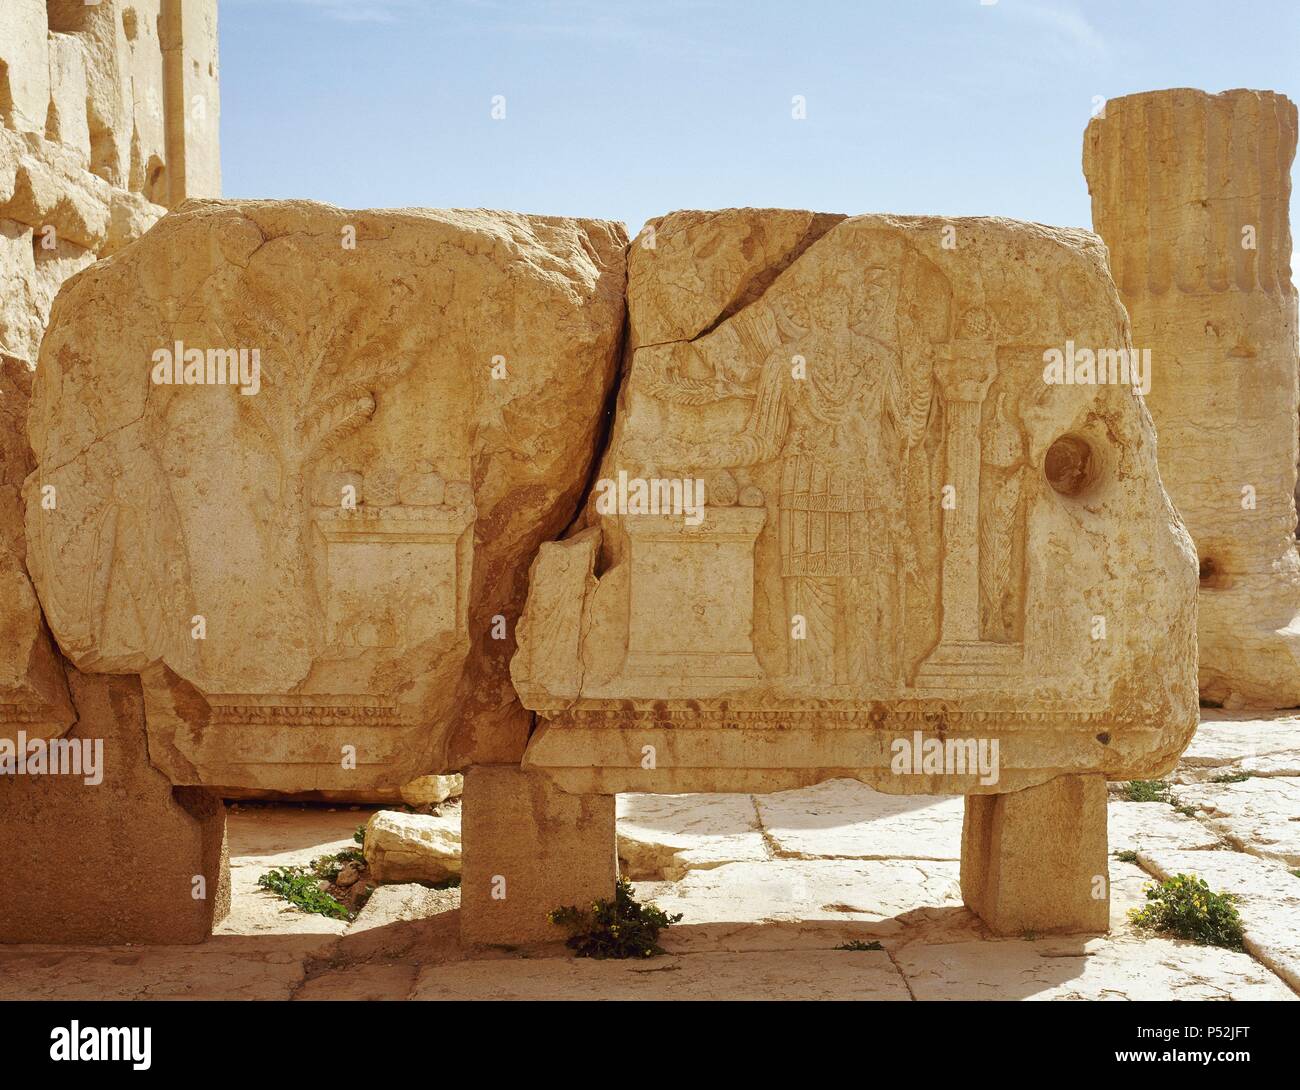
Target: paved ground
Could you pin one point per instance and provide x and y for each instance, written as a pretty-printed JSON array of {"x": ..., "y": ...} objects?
[{"x": 769, "y": 886}]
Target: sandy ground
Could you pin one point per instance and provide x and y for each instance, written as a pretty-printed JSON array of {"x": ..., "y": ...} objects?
[{"x": 769, "y": 886}]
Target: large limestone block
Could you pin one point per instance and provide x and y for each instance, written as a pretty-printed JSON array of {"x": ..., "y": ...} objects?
[
  {"x": 67, "y": 122},
  {"x": 124, "y": 88},
  {"x": 33, "y": 267},
  {"x": 130, "y": 88},
  {"x": 43, "y": 185},
  {"x": 1191, "y": 192},
  {"x": 318, "y": 571},
  {"x": 24, "y": 65},
  {"x": 109, "y": 852},
  {"x": 404, "y": 847},
  {"x": 529, "y": 848},
  {"x": 909, "y": 536}
]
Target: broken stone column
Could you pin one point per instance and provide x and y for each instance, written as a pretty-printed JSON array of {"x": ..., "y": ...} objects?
[
  {"x": 881, "y": 534},
  {"x": 303, "y": 511},
  {"x": 1190, "y": 192},
  {"x": 529, "y": 848}
]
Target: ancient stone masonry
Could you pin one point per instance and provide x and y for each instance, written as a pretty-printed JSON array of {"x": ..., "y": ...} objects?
[
  {"x": 302, "y": 475},
  {"x": 321, "y": 503},
  {"x": 110, "y": 116},
  {"x": 1191, "y": 191},
  {"x": 86, "y": 165},
  {"x": 907, "y": 531}
]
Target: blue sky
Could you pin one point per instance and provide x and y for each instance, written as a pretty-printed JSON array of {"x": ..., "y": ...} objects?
[{"x": 626, "y": 110}]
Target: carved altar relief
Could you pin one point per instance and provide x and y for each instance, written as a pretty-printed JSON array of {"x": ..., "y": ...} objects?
[
  {"x": 395, "y": 575},
  {"x": 317, "y": 576},
  {"x": 879, "y": 406}
]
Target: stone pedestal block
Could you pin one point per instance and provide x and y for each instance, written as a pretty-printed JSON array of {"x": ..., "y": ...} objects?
[
  {"x": 100, "y": 849},
  {"x": 527, "y": 848},
  {"x": 1035, "y": 860}
]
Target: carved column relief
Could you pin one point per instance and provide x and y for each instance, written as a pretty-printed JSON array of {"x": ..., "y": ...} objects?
[{"x": 963, "y": 659}]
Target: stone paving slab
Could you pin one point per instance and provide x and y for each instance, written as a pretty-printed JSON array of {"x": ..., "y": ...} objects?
[
  {"x": 846, "y": 819},
  {"x": 229, "y": 968},
  {"x": 1272, "y": 764},
  {"x": 1269, "y": 900},
  {"x": 797, "y": 890},
  {"x": 1226, "y": 738},
  {"x": 801, "y": 975},
  {"x": 1132, "y": 826},
  {"x": 1134, "y": 969},
  {"x": 1260, "y": 815},
  {"x": 664, "y": 836}
]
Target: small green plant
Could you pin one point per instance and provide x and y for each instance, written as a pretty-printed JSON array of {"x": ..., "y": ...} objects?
[
  {"x": 299, "y": 887},
  {"x": 1181, "y": 807},
  {"x": 360, "y": 836},
  {"x": 1296, "y": 872},
  {"x": 621, "y": 928},
  {"x": 1128, "y": 855},
  {"x": 858, "y": 944},
  {"x": 328, "y": 866},
  {"x": 1185, "y": 907},
  {"x": 1146, "y": 791},
  {"x": 1229, "y": 777}
]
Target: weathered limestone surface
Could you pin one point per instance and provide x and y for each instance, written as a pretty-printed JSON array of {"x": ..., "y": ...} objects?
[
  {"x": 1260, "y": 815},
  {"x": 1228, "y": 738},
  {"x": 84, "y": 164},
  {"x": 129, "y": 87},
  {"x": 846, "y": 819},
  {"x": 432, "y": 790},
  {"x": 404, "y": 847},
  {"x": 1155, "y": 971},
  {"x": 661, "y": 837},
  {"x": 529, "y": 848},
  {"x": 348, "y": 530},
  {"x": 128, "y": 859},
  {"x": 906, "y": 526},
  {"x": 1191, "y": 193},
  {"x": 1142, "y": 826},
  {"x": 33, "y": 692},
  {"x": 103, "y": 125}
]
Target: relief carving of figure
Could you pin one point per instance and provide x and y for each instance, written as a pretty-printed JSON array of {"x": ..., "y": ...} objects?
[{"x": 836, "y": 408}]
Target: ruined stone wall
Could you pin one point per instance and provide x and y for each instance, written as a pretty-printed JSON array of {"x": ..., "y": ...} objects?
[{"x": 108, "y": 117}]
